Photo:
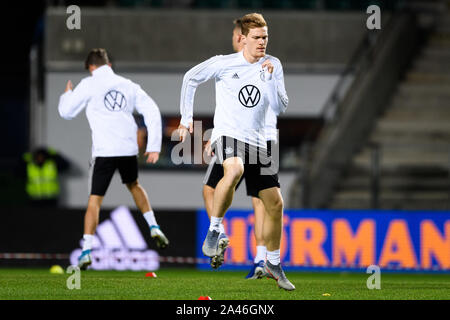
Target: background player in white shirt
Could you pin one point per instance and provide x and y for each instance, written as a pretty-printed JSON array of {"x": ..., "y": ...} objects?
[
  {"x": 215, "y": 173},
  {"x": 110, "y": 100},
  {"x": 247, "y": 83}
]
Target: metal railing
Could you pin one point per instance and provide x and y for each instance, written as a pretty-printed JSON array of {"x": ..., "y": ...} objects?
[{"x": 376, "y": 67}]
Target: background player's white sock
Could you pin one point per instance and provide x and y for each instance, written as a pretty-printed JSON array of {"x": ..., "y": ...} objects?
[
  {"x": 215, "y": 224},
  {"x": 150, "y": 218},
  {"x": 260, "y": 253},
  {"x": 274, "y": 257},
  {"x": 87, "y": 245},
  {"x": 222, "y": 228}
]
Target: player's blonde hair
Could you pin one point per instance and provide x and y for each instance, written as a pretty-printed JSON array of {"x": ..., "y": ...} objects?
[{"x": 251, "y": 21}]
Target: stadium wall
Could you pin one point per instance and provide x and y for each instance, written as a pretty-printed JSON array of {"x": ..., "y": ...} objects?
[{"x": 151, "y": 36}]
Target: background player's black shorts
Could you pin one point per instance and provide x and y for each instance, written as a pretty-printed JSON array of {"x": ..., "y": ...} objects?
[
  {"x": 258, "y": 171},
  {"x": 104, "y": 168}
]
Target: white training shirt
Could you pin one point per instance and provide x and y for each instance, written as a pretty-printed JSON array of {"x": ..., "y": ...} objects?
[
  {"x": 110, "y": 100},
  {"x": 270, "y": 129},
  {"x": 244, "y": 92}
]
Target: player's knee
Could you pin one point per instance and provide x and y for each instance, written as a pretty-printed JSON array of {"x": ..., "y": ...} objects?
[
  {"x": 234, "y": 173},
  {"x": 94, "y": 203},
  {"x": 132, "y": 185},
  {"x": 275, "y": 208},
  {"x": 92, "y": 207}
]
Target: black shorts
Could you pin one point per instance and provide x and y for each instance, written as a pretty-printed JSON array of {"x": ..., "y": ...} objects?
[
  {"x": 259, "y": 173},
  {"x": 103, "y": 169}
]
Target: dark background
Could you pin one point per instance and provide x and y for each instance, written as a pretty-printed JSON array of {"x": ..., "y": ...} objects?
[{"x": 19, "y": 27}]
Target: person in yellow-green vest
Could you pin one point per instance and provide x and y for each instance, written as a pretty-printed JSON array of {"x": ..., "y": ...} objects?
[{"x": 42, "y": 185}]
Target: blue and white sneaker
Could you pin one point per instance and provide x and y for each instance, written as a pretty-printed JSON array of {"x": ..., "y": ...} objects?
[
  {"x": 161, "y": 240},
  {"x": 257, "y": 271},
  {"x": 218, "y": 259},
  {"x": 84, "y": 260},
  {"x": 210, "y": 246}
]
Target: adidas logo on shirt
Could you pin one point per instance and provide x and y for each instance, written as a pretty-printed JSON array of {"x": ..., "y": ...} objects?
[
  {"x": 235, "y": 76},
  {"x": 119, "y": 245}
]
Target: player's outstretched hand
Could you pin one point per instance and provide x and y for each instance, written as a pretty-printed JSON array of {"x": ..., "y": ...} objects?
[
  {"x": 69, "y": 86},
  {"x": 183, "y": 131},
  {"x": 152, "y": 157}
]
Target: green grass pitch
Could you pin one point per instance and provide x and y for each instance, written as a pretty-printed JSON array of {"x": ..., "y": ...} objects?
[{"x": 190, "y": 284}]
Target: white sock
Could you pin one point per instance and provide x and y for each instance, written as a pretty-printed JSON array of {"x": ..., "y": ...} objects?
[
  {"x": 222, "y": 228},
  {"x": 87, "y": 244},
  {"x": 215, "y": 224},
  {"x": 274, "y": 257},
  {"x": 260, "y": 254},
  {"x": 150, "y": 218}
]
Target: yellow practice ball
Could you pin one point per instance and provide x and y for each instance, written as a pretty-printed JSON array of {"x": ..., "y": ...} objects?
[{"x": 56, "y": 269}]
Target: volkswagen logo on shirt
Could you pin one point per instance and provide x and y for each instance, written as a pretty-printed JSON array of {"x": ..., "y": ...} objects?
[
  {"x": 115, "y": 101},
  {"x": 249, "y": 96}
]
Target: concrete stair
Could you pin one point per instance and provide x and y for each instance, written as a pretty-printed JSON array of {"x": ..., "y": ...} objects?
[{"x": 413, "y": 135}]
